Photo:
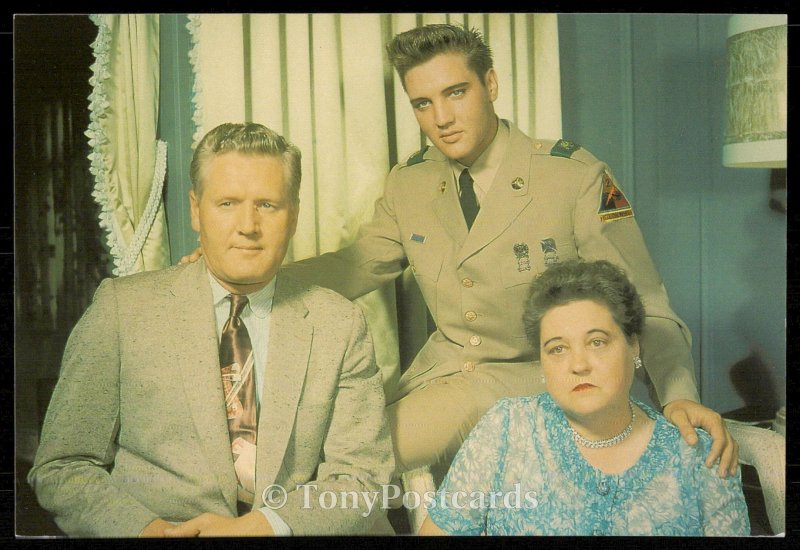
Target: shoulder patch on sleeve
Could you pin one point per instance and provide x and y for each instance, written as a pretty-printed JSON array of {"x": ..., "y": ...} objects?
[
  {"x": 613, "y": 203},
  {"x": 564, "y": 148},
  {"x": 417, "y": 157}
]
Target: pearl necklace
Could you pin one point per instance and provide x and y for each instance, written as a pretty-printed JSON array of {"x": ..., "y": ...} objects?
[{"x": 611, "y": 441}]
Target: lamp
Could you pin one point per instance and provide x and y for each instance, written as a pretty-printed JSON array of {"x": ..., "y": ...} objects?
[
  {"x": 756, "y": 107},
  {"x": 755, "y": 134}
]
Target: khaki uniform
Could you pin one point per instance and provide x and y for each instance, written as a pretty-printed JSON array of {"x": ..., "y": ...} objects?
[{"x": 545, "y": 205}]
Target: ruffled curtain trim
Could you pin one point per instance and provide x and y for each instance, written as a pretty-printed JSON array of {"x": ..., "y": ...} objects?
[
  {"x": 197, "y": 88},
  {"x": 124, "y": 255}
]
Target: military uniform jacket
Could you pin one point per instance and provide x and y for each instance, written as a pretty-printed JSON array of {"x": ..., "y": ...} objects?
[{"x": 548, "y": 203}]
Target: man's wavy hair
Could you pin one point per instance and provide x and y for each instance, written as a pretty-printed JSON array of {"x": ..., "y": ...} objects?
[
  {"x": 573, "y": 280},
  {"x": 249, "y": 139},
  {"x": 416, "y": 46}
]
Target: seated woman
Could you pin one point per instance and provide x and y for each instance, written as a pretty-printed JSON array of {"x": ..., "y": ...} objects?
[{"x": 584, "y": 458}]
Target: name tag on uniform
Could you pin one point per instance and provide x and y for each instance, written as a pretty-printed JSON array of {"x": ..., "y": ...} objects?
[{"x": 417, "y": 238}]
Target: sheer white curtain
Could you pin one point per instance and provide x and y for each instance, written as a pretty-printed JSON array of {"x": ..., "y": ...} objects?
[{"x": 323, "y": 81}]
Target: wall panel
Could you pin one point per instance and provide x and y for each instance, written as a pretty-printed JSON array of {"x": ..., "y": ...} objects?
[{"x": 645, "y": 93}]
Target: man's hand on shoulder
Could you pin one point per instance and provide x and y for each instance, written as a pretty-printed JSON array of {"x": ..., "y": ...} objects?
[
  {"x": 252, "y": 524},
  {"x": 687, "y": 414},
  {"x": 193, "y": 257}
]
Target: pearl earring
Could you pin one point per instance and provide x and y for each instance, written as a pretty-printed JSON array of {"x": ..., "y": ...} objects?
[{"x": 637, "y": 362}]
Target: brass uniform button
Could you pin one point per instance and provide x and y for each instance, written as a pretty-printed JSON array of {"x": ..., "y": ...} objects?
[
  {"x": 469, "y": 366},
  {"x": 475, "y": 340},
  {"x": 470, "y": 316},
  {"x": 466, "y": 282}
]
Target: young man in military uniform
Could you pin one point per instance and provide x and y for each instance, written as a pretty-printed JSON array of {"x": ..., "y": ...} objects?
[{"x": 478, "y": 216}]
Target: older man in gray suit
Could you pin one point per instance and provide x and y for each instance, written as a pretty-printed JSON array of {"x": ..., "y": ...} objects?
[{"x": 184, "y": 409}]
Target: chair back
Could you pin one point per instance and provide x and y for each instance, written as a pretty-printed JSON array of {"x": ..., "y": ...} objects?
[{"x": 765, "y": 450}]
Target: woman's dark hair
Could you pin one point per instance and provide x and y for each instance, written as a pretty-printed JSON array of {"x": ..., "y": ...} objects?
[{"x": 573, "y": 280}]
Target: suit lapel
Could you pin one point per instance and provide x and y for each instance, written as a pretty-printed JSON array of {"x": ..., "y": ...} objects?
[
  {"x": 290, "y": 339},
  {"x": 507, "y": 197},
  {"x": 197, "y": 361}
]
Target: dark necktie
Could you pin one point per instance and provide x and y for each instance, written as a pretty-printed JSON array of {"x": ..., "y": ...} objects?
[
  {"x": 469, "y": 202},
  {"x": 238, "y": 381}
]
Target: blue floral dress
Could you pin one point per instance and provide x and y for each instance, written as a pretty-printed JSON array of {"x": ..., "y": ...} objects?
[{"x": 520, "y": 473}]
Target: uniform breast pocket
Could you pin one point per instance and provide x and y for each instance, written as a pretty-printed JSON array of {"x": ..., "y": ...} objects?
[
  {"x": 516, "y": 285},
  {"x": 513, "y": 276},
  {"x": 426, "y": 265},
  {"x": 425, "y": 262},
  {"x": 518, "y": 261},
  {"x": 523, "y": 259}
]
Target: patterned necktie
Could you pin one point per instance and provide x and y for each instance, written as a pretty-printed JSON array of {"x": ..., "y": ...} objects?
[
  {"x": 469, "y": 202},
  {"x": 236, "y": 361}
]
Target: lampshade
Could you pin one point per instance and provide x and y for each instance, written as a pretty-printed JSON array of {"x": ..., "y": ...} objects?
[{"x": 755, "y": 134}]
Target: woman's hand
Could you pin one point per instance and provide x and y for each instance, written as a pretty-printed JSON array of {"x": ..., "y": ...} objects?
[
  {"x": 193, "y": 257},
  {"x": 687, "y": 414}
]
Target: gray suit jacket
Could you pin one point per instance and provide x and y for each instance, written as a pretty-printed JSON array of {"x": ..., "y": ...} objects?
[
  {"x": 542, "y": 207},
  {"x": 137, "y": 430}
]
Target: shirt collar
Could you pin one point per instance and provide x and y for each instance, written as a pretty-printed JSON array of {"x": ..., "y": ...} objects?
[
  {"x": 260, "y": 302},
  {"x": 485, "y": 166}
]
